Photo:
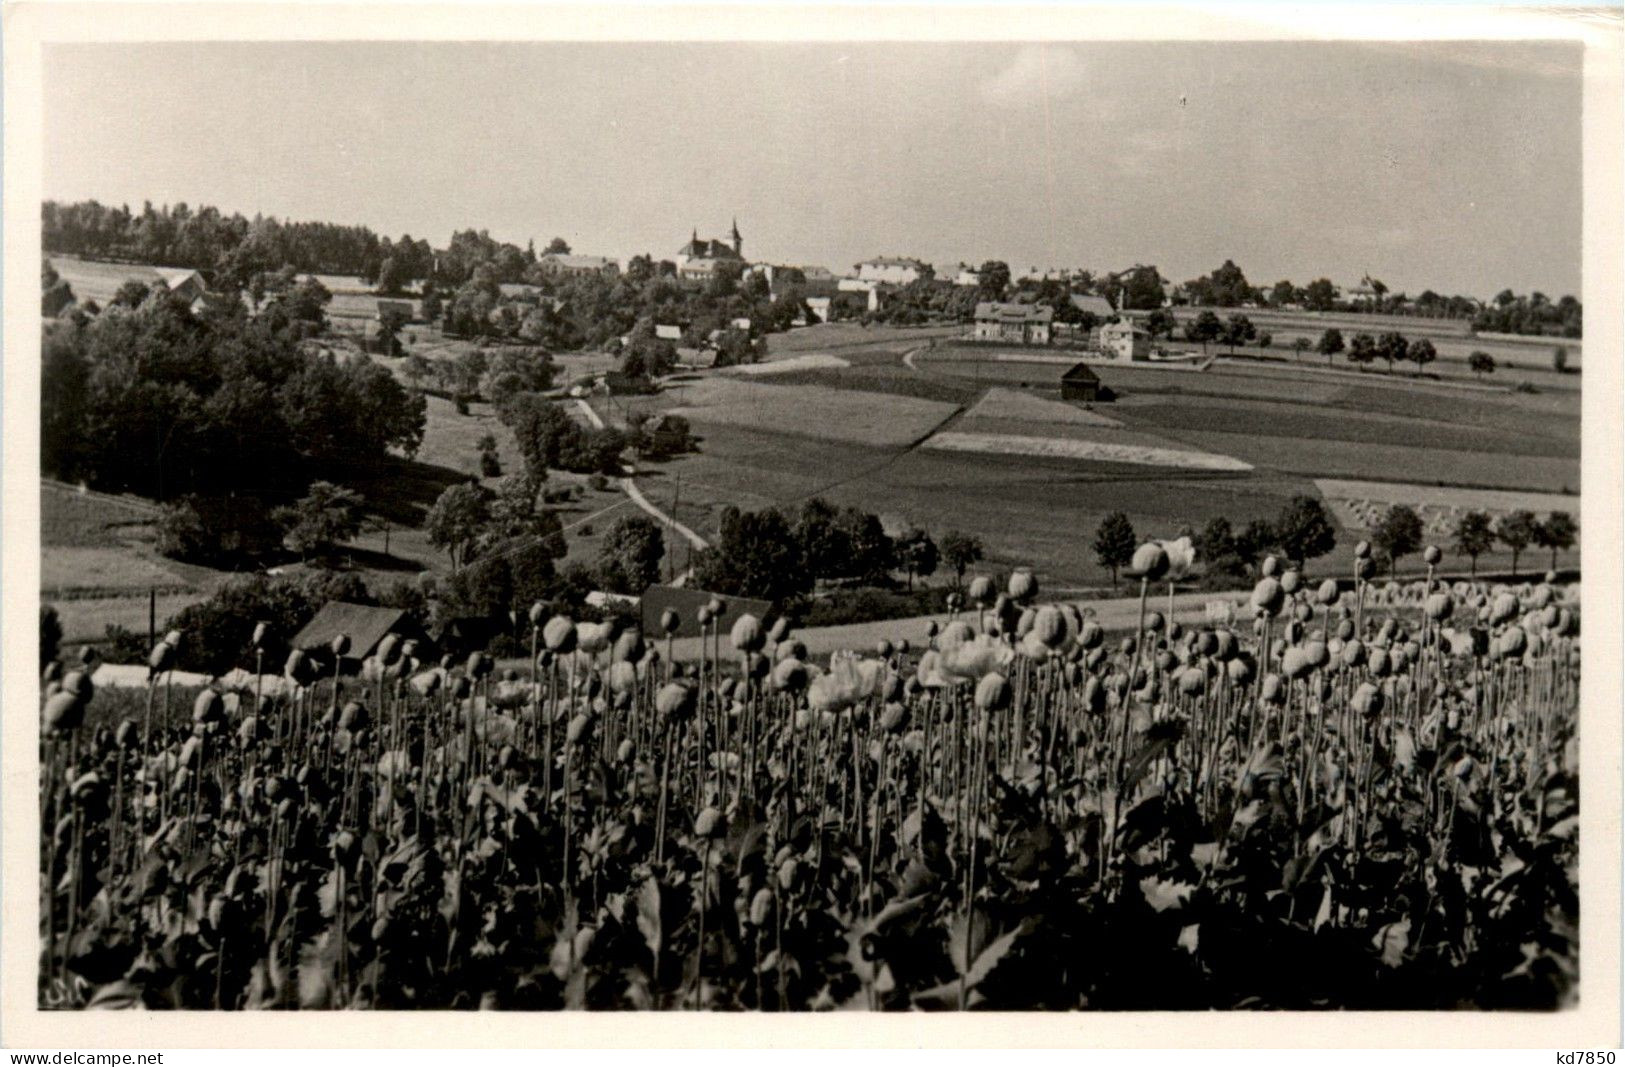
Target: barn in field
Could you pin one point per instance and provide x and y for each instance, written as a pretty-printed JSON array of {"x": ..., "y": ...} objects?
[
  {"x": 1080, "y": 384},
  {"x": 687, "y": 603},
  {"x": 364, "y": 626}
]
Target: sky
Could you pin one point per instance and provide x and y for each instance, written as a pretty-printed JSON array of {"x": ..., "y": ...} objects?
[{"x": 1453, "y": 166}]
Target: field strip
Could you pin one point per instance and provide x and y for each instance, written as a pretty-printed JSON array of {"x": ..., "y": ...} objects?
[
  {"x": 630, "y": 488},
  {"x": 1053, "y": 448},
  {"x": 811, "y": 361},
  {"x": 1414, "y": 495},
  {"x": 1003, "y": 403}
]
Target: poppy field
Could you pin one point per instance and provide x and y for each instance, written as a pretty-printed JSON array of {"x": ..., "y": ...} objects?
[{"x": 1325, "y": 805}]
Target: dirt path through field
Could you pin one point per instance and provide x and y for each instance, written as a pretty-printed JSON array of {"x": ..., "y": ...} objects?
[{"x": 630, "y": 488}]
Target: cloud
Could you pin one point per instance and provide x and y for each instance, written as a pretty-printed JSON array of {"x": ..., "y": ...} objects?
[{"x": 1036, "y": 71}]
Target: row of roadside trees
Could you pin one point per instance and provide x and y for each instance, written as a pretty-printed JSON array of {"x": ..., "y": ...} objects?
[{"x": 1303, "y": 532}]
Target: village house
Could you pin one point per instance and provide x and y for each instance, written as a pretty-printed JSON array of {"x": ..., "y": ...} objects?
[
  {"x": 1026, "y": 324},
  {"x": 1125, "y": 340},
  {"x": 892, "y": 269},
  {"x": 560, "y": 265}
]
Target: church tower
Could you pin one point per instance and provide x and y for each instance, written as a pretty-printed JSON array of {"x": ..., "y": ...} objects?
[{"x": 739, "y": 242}]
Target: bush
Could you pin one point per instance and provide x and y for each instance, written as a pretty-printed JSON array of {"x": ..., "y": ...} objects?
[
  {"x": 598, "y": 482},
  {"x": 50, "y": 634},
  {"x": 123, "y": 645},
  {"x": 460, "y": 401},
  {"x": 870, "y": 604},
  {"x": 219, "y": 531},
  {"x": 490, "y": 466}
]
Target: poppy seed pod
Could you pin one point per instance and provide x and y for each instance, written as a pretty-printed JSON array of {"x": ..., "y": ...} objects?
[
  {"x": 559, "y": 635},
  {"x": 1303, "y": 611},
  {"x": 1512, "y": 644},
  {"x": 894, "y": 718},
  {"x": 1166, "y": 661},
  {"x": 704, "y": 616},
  {"x": 761, "y": 907},
  {"x": 1273, "y": 689},
  {"x": 79, "y": 684},
  {"x": 461, "y": 687},
  {"x": 717, "y": 607},
  {"x": 161, "y": 658},
  {"x": 346, "y": 847},
  {"x": 478, "y": 666},
  {"x": 1439, "y": 607},
  {"x": 1293, "y": 632},
  {"x": 1364, "y": 568},
  {"x": 1207, "y": 643},
  {"x": 1295, "y": 663},
  {"x": 746, "y": 635},
  {"x": 1192, "y": 680},
  {"x": 709, "y": 824},
  {"x": 1022, "y": 585},
  {"x": 208, "y": 707},
  {"x": 297, "y": 668},
  {"x": 674, "y": 701},
  {"x": 1225, "y": 646},
  {"x": 580, "y": 727},
  {"x": 1367, "y": 700},
  {"x": 1090, "y": 635},
  {"x": 993, "y": 692},
  {"x": 353, "y": 717},
  {"x": 63, "y": 712},
  {"x": 51, "y": 673},
  {"x": 261, "y": 632},
  {"x": 1431, "y": 555},
  {"x": 629, "y": 647},
  {"x": 1154, "y": 623},
  {"x": 1270, "y": 568},
  {"x": 339, "y": 645},
  {"x": 1317, "y": 654},
  {"x": 1150, "y": 562},
  {"x": 1379, "y": 663},
  {"x": 1127, "y": 646},
  {"x": 980, "y": 590},
  {"x": 1327, "y": 594},
  {"x": 1240, "y": 671},
  {"x": 88, "y": 788},
  {"x": 1267, "y": 596},
  {"x": 1291, "y": 580},
  {"x": 126, "y": 734}
]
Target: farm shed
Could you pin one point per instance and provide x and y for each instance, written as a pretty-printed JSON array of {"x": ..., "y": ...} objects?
[
  {"x": 364, "y": 626},
  {"x": 687, "y": 603},
  {"x": 1027, "y": 324},
  {"x": 1080, "y": 383},
  {"x": 185, "y": 283},
  {"x": 668, "y": 331}
]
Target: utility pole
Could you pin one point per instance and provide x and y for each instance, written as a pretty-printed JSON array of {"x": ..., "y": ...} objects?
[
  {"x": 152, "y": 615},
  {"x": 676, "y": 492}
]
